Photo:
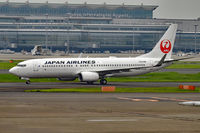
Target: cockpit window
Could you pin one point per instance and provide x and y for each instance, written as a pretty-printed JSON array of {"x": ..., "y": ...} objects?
[{"x": 21, "y": 65}]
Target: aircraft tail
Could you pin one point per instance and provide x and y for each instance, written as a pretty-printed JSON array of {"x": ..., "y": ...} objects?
[{"x": 165, "y": 45}]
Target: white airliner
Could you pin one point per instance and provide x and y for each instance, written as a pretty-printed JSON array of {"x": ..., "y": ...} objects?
[
  {"x": 92, "y": 69},
  {"x": 190, "y": 103}
]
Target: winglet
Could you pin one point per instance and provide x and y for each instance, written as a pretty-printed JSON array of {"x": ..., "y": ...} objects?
[{"x": 161, "y": 61}]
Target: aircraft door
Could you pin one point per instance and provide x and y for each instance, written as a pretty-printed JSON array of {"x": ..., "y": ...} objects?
[
  {"x": 151, "y": 63},
  {"x": 36, "y": 66}
]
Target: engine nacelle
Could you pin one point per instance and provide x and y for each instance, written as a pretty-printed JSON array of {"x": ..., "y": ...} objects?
[
  {"x": 67, "y": 79},
  {"x": 88, "y": 76}
]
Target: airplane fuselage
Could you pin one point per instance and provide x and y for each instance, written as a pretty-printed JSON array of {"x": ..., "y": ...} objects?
[{"x": 71, "y": 67}]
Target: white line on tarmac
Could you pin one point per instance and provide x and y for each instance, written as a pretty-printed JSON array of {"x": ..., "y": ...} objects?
[{"x": 112, "y": 120}]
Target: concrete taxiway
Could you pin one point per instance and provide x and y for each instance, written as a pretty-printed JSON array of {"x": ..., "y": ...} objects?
[
  {"x": 97, "y": 113},
  {"x": 48, "y": 85}
]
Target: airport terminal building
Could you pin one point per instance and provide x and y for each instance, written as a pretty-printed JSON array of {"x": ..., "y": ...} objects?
[{"x": 89, "y": 27}]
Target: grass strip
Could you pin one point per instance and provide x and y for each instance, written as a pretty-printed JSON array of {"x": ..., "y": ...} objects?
[
  {"x": 120, "y": 90},
  {"x": 5, "y": 64},
  {"x": 185, "y": 65}
]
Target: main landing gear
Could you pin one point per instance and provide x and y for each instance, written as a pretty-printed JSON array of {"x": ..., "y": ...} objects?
[{"x": 103, "y": 81}]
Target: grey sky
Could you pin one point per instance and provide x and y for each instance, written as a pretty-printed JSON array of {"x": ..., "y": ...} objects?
[{"x": 181, "y": 9}]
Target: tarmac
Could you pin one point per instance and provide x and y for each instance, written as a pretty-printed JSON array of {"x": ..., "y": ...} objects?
[
  {"x": 20, "y": 87},
  {"x": 22, "y": 112}
]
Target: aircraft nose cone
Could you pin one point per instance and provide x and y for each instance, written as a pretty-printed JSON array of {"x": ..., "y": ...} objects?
[{"x": 13, "y": 71}]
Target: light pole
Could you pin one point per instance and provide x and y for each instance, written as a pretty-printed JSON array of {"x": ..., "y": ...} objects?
[
  {"x": 18, "y": 27},
  {"x": 133, "y": 40},
  {"x": 195, "y": 37},
  {"x": 68, "y": 17},
  {"x": 46, "y": 36}
]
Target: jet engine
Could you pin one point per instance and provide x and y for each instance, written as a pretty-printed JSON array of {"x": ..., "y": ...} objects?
[{"x": 88, "y": 76}]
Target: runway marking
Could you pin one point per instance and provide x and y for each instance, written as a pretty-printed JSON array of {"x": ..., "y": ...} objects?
[
  {"x": 148, "y": 100},
  {"x": 138, "y": 99},
  {"x": 152, "y": 99},
  {"x": 171, "y": 99},
  {"x": 124, "y": 98},
  {"x": 112, "y": 120}
]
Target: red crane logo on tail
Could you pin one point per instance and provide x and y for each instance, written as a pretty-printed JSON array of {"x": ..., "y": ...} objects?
[{"x": 165, "y": 46}]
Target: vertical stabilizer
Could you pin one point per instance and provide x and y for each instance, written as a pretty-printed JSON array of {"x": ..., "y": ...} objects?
[{"x": 165, "y": 45}]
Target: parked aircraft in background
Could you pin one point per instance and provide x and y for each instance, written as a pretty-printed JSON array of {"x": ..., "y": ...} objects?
[
  {"x": 92, "y": 69},
  {"x": 190, "y": 103}
]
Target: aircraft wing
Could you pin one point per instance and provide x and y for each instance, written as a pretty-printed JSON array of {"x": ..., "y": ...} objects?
[
  {"x": 162, "y": 60},
  {"x": 111, "y": 71},
  {"x": 103, "y": 72}
]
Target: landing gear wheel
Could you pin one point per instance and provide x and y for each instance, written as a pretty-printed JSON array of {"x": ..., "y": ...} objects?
[
  {"x": 28, "y": 82},
  {"x": 103, "y": 81},
  {"x": 89, "y": 82}
]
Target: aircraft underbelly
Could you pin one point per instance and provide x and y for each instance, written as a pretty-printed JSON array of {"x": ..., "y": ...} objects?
[{"x": 51, "y": 74}]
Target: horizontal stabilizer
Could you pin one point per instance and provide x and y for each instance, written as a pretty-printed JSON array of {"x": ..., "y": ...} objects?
[{"x": 172, "y": 60}]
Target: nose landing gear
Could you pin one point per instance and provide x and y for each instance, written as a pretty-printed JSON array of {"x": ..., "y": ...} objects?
[{"x": 28, "y": 82}]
